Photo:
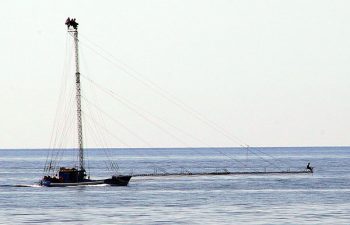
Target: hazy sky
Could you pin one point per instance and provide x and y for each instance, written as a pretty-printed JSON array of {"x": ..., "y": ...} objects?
[{"x": 271, "y": 73}]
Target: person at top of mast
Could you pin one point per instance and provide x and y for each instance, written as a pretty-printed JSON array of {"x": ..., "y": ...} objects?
[
  {"x": 74, "y": 24},
  {"x": 71, "y": 22},
  {"x": 67, "y": 22}
]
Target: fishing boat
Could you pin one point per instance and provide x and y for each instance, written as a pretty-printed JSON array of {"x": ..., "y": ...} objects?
[
  {"x": 56, "y": 176},
  {"x": 77, "y": 176}
]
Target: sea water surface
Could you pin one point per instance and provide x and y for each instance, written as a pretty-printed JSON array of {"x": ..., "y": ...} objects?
[{"x": 321, "y": 198}]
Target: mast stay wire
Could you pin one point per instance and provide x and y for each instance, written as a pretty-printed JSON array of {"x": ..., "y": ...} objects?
[
  {"x": 165, "y": 94},
  {"x": 149, "y": 113},
  {"x": 60, "y": 130},
  {"x": 126, "y": 128},
  {"x": 68, "y": 127},
  {"x": 106, "y": 130},
  {"x": 93, "y": 121},
  {"x": 64, "y": 128},
  {"x": 153, "y": 86},
  {"x": 102, "y": 138},
  {"x": 109, "y": 163},
  {"x": 93, "y": 136},
  {"x": 127, "y": 103},
  {"x": 159, "y": 90},
  {"x": 245, "y": 146},
  {"x": 143, "y": 116},
  {"x": 111, "y": 133},
  {"x": 55, "y": 122},
  {"x": 118, "y": 122},
  {"x": 99, "y": 136},
  {"x": 107, "y": 153},
  {"x": 162, "y": 93}
]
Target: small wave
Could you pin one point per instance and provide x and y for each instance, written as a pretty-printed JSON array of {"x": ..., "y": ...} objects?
[
  {"x": 97, "y": 185},
  {"x": 28, "y": 185},
  {"x": 20, "y": 185},
  {"x": 37, "y": 185},
  {"x": 90, "y": 185}
]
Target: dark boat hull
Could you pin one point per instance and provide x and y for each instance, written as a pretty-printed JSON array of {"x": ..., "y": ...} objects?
[
  {"x": 114, "y": 181},
  {"x": 118, "y": 180}
]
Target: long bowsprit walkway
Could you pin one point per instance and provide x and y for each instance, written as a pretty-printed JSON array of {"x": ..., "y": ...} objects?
[{"x": 225, "y": 172}]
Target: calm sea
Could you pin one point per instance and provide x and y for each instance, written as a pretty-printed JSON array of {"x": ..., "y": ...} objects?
[{"x": 321, "y": 198}]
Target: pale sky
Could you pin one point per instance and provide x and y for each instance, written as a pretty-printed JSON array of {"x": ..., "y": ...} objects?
[{"x": 270, "y": 73}]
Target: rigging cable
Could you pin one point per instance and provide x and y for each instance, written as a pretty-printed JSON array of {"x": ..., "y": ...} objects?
[
  {"x": 103, "y": 142},
  {"x": 127, "y": 104},
  {"x": 171, "y": 98}
]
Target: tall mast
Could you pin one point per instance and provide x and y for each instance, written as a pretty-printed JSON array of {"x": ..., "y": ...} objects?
[
  {"x": 74, "y": 30},
  {"x": 78, "y": 98}
]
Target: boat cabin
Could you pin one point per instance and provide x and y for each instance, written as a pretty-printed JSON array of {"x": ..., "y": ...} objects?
[{"x": 71, "y": 175}]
